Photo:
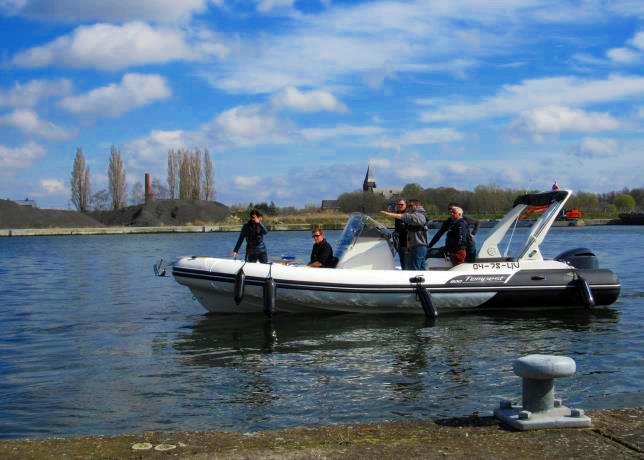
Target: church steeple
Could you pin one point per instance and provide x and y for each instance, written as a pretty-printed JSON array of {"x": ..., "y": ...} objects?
[{"x": 369, "y": 182}]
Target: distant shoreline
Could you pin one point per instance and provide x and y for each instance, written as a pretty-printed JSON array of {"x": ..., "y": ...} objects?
[{"x": 219, "y": 228}]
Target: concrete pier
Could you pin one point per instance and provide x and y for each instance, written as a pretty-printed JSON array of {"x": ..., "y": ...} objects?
[
  {"x": 145, "y": 230},
  {"x": 616, "y": 434}
]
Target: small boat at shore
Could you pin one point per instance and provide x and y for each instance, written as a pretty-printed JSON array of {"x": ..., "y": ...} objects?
[{"x": 366, "y": 279}]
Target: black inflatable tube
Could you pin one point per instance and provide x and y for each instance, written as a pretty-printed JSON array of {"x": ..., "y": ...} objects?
[
  {"x": 426, "y": 302},
  {"x": 270, "y": 292},
  {"x": 240, "y": 285},
  {"x": 585, "y": 292}
]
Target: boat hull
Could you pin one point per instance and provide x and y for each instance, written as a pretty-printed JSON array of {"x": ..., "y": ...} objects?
[{"x": 506, "y": 286}]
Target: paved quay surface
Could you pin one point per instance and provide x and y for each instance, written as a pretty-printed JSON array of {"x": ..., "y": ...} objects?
[{"x": 616, "y": 434}]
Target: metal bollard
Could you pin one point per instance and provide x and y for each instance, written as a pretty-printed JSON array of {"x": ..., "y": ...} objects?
[{"x": 540, "y": 408}]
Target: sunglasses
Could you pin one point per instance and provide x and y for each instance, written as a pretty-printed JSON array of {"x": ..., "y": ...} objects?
[{"x": 315, "y": 235}]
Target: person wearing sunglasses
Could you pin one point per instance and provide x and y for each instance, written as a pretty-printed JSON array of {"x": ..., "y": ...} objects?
[
  {"x": 322, "y": 252},
  {"x": 416, "y": 223},
  {"x": 400, "y": 234}
]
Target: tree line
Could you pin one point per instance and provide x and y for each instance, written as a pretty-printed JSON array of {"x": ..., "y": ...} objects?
[
  {"x": 487, "y": 199},
  {"x": 190, "y": 177}
]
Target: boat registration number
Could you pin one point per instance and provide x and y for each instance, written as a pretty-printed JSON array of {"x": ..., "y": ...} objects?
[{"x": 494, "y": 265}]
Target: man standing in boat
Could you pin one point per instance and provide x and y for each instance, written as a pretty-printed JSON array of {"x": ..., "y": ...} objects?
[
  {"x": 416, "y": 222},
  {"x": 456, "y": 242},
  {"x": 400, "y": 232},
  {"x": 253, "y": 232},
  {"x": 322, "y": 252}
]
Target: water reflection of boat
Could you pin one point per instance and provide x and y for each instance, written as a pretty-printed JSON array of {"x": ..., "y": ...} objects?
[{"x": 367, "y": 281}]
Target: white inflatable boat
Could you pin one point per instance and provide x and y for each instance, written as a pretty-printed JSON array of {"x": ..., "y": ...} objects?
[{"x": 366, "y": 279}]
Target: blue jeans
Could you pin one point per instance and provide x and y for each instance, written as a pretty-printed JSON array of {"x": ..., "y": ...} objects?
[
  {"x": 403, "y": 255},
  {"x": 416, "y": 257}
]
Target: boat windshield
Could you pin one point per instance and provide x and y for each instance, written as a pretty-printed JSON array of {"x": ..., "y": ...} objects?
[{"x": 361, "y": 226}]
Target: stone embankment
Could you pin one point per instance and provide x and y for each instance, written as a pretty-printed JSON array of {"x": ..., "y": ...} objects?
[{"x": 616, "y": 434}]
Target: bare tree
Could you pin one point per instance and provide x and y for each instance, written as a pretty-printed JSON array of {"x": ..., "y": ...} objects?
[
  {"x": 208, "y": 177},
  {"x": 79, "y": 182},
  {"x": 185, "y": 187},
  {"x": 173, "y": 172},
  {"x": 195, "y": 175},
  {"x": 100, "y": 200},
  {"x": 137, "y": 195},
  {"x": 116, "y": 178},
  {"x": 87, "y": 191}
]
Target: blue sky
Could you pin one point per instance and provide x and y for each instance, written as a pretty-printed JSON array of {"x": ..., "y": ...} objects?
[{"x": 295, "y": 98}]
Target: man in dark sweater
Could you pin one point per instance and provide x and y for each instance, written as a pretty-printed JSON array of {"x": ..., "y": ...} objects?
[
  {"x": 472, "y": 226},
  {"x": 322, "y": 252},
  {"x": 456, "y": 241}
]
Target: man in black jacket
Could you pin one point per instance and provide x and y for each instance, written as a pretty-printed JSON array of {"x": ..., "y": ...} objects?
[
  {"x": 472, "y": 226},
  {"x": 322, "y": 252}
]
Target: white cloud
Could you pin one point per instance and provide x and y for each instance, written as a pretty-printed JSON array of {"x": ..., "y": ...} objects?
[
  {"x": 154, "y": 147},
  {"x": 557, "y": 119},
  {"x": 531, "y": 94},
  {"x": 31, "y": 93},
  {"x": 247, "y": 126},
  {"x": 311, "y": 101},
  {"x": 134, "y": 91},
  {"x": 596, "y": 148},
  {"x": 430, "y": 136},
  {"x": 12, "y": 159},
  {"x": 113, "y": 47},
  {"x": 637, "y": 41},
  {"x": 623, "y": 55},
  {"x": 340, "y": 131},
  {"x": 107, "y": 10},
  {"x": 53, "y": 186},
  {"x": 246, "y": 182},
  {"x": 265, "y": 6},
  {"x": 28, "y": 122}
]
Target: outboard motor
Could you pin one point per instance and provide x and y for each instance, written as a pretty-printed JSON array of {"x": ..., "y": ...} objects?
[{"x": 582, "y": 258}]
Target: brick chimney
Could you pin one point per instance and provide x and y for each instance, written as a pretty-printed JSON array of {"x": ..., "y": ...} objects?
[{"x": 148, "y": 189}]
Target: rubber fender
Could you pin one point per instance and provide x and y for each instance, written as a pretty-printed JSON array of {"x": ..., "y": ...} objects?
[
  {"x": 585, "y": 292},
  {"x": 426, "y": 302},
  {"x": 270, "y": 292},
  {"x": 240, "y": 285}
]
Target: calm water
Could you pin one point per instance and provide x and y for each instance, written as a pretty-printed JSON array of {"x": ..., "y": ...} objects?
[{"x": 92, "y": 343}]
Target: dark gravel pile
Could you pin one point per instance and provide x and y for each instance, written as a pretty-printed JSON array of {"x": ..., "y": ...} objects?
[
  {"x": 13, "y": 216},
  {"x": 165, "y": 213}
]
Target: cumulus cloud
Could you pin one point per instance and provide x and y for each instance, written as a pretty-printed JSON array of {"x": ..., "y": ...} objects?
[
  {"x": 340, "y": 131},
  {"x": 623, "y": 55},
  {"x": 532, "y": 94},
  {"x": 246, "y": 182},
  {"x": 247, "y": 126},
  {"x": 556, "y": 119},
  {"x": 430, "y": 136},
  {"x": 28, "y": 122},
  {"x": 31, "y": 93},
  {"x": 154, "y": 147},
  {"x": 134, "y": 91},
  {"x": 53, "y": 186},
  {"x": 12, "y": 159},
  {"x": 311, "y": 101},
  {"x": 106, "y": 10},
  {"x": 596, "y": 148},
  {"x": 113, "y": 47},
  {"x": 265, "y": 6}
]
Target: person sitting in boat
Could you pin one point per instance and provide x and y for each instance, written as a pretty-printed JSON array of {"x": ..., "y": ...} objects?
[
  {"x": 456, "y": 241},
  {"x": 253, "y": 232},
  {"x": 416, "y": 222},
  {"x": 322, "y": 252}
]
